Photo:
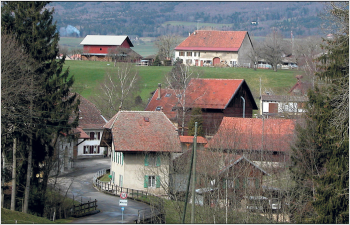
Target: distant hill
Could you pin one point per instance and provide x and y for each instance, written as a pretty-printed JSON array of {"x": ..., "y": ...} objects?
[{"x": 152, "y": 19}]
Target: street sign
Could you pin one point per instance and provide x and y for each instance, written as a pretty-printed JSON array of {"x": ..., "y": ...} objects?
[
  {"x": 123, "y": 195},
  {"x": 123, "y": 202},
  {"x": 122, "y": 208}
]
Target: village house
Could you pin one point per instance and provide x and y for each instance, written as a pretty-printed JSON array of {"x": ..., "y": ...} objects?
[
  {"x": 264, "y": 141},
  {"x": 109, "y": 48},
  {"x": 217, "y": 98},
  {"x": 91, "y": 122},
  {"x": 215, "y": 48},
  {"x": 143, "y": 144},
  {"x": 218, "y": 175},
  {"x": 292, "y": 105}
]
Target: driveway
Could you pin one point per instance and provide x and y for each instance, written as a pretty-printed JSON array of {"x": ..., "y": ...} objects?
[{"x": 79, "y": 183}]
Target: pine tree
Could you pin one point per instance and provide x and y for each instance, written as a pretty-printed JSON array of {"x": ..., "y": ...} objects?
[
  {"x": 327, "y": 132},
  {"x": 34, "y": 29},
  {"x": 196, "y": 116}
]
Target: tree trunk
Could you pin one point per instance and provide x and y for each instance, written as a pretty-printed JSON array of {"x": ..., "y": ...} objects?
[
  {"x": 29, "y": 171},
  {"x": 14, "y": 167}
]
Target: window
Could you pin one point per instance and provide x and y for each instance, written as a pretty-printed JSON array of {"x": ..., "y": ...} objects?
[
  {"x": 91, "y": 149},
  {"x": 168, "y": 95},
  {"x": 181, "y": 53},
  {"x": 100, "y": 49},
  {"x": 152, "y": 181},
  {"x": 158, "y": 108},
  {"x": 95, "y": 135},
  {"x": 189, "y": 54},
  {"x": 194, "y": 54},
  {"x": 152, "y": 160}
]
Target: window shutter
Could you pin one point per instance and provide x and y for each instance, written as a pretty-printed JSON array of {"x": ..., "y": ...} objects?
[
  {"x": 157, "y": 181},
  {"x": 257, "y": 183},
  {"x": 145, "y": 183},
  {"x": 118, "y": 156},
  {"x": 146, "y": 160},
  {"x": 237, "y": 183},
  {"x": 98, "y": 135},
  {"x": 92, "y": 134},
  {"x": 98, "y": 149},
  {"x": 122, "y": 158},
  {"x": 158, "y": 161}
]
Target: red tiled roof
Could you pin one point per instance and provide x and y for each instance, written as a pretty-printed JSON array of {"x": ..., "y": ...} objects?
[
  {"x": 82, "y": 134},
  {"x": 143, "y": 131},
  {"x": 167, "y": 100},
  {"x": 210, "y": 40},
  {"x": 89, "y": 116},
  {"x": 201, "y": 93},
  {"x": 211, "y": 93},
  {"x": 189, "y": 139},
  {"x": 253, "y": 134}
]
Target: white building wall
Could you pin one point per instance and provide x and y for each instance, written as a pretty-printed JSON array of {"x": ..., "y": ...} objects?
[{"x": 95, "y": 142}]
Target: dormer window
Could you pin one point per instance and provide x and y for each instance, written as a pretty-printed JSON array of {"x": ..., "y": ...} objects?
[
  {"x": 100, "y": 49},
  {"x": 158, "y": 108},
  {"x": 168, "y": 95}
]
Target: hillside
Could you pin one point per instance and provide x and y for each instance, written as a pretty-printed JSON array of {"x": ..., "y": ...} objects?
[{"x": 152, "y": 19}]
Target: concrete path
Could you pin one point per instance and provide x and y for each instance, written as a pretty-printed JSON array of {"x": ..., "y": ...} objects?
[{"x": 79, "y": 183}]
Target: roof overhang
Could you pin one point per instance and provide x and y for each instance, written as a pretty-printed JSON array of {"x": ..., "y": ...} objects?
[{"x": 207, "y": 49}]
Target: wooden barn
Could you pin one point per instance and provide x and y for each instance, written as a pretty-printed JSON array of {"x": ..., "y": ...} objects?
[
  {"x": 217, "y": 98},
  {"x": 109, "y": 48}
]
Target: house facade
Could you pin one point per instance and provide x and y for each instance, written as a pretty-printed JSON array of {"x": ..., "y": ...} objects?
[
  {"x": 215, "y": 48},
  {"x": 91, "y": 122},
  {"x": 264, "y": 141},
  {"x": 217, "y": 98},
  {"x": 107, "y": 48},
  {"x": 291, "y": 105},
  {"x": 143, "y": 144},
  {"x": 282, "y": 105}
]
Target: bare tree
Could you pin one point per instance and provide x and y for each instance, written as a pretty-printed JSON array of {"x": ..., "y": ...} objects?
[
  {"x": 178, "y": 79},
  {"x": 272, "y": 49},
  {"x": 166, "y": 45},
  {"x": 117, "y": 89}
]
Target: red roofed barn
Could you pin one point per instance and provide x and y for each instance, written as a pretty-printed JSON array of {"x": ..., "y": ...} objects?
[
  {"x": 212, "y": 48},
  {"x": 143, "y": 144},
  {"x": 100, "y": 48},
  {"x": 216, "y": 97}
]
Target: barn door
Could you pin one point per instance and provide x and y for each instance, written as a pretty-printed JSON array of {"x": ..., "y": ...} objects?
[{"x": 216, "y": 61}]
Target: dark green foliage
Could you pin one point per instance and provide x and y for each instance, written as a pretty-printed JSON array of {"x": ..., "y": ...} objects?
[
  {"x": 157, "y": 61},
  {"x": 34, "y": 29},
  {"x": 196, "y": 116},
  {"x": 320, "y": 159}
]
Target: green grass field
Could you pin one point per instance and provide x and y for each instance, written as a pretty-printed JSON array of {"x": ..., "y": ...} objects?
[{"x": 88, "y": 74}]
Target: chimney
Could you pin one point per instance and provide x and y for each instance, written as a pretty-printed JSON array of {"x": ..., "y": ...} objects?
[
  {"x": 159, "y": 89},
  {"x": 189, "y": 34}
]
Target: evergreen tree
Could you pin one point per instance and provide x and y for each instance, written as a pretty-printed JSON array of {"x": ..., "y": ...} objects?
[
  {"x": 196, "y": 116},
  {"x": 32, "y": 24},
  {"x": 327, "y": 132}
]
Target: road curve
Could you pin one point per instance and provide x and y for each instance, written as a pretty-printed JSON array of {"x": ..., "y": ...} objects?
[{"x": 79, "y": 183}]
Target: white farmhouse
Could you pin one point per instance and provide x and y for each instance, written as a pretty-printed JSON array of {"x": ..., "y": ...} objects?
[{"x": 213, "y": 48}]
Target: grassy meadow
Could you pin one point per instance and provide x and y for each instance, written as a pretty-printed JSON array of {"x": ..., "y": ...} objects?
[{"x": 88, "y": 74}]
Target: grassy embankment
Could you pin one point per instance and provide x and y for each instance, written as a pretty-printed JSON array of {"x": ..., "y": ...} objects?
[
  {"x": 88, "y": 74},
  {"x": 9, "y": 216}
]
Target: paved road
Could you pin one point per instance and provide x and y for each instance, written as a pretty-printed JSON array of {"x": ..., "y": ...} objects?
[{"x": 79, "y": 182}]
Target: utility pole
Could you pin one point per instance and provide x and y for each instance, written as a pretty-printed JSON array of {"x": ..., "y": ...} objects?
[{"x": 194, "y": 173}]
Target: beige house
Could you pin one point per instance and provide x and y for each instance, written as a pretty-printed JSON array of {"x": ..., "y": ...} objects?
[
  {"x": 143, "y": 144},
  {"x": 216, "y": 48}
]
